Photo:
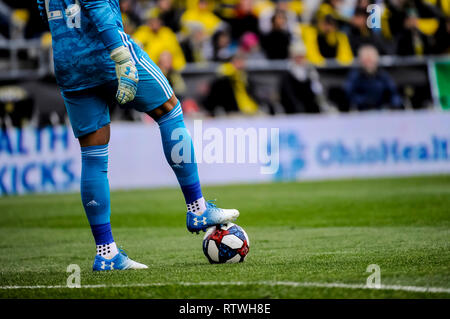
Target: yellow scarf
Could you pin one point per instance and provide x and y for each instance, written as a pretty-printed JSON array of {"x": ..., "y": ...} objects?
[{"x": 245, "y": 102}]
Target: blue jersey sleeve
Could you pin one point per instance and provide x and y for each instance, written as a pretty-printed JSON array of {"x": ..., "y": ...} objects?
[{"x": 104, "y": 19}]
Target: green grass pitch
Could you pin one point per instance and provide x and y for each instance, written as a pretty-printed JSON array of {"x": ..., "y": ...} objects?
[{"x": 317, "y": 232}]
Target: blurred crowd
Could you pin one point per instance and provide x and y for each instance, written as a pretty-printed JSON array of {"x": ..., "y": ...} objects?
[
  {"x": 215, "y": 30},
  {"x": 306, "y": 33}
]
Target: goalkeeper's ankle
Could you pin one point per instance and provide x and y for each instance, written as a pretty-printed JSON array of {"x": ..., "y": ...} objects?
[
  {"x": 197, "y": 207},
  {"x": 107, "y": 251}
]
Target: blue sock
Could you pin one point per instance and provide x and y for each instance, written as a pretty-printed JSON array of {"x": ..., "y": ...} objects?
[
  {"x": 95, "y": 192},
  {"x": 102, "y": 234},
  {"x": 186, "y": 172}
]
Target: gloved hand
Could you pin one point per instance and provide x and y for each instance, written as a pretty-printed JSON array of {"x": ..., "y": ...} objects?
[{"x": 127, "y": 74}]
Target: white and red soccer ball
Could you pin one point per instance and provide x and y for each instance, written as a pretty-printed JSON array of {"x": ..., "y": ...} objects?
[{"x": 226, "y": 244}]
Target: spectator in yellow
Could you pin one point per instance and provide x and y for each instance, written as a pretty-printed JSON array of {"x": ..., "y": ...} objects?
[
  {"x": 329, "y": 7},
  {"x": 326, "y": 42},
  {"x": 232, "y": 91},
  {"x": 156, "y": 38},
  {"x": 417, "y": 27},
  {"x": 200, "y": 14}
]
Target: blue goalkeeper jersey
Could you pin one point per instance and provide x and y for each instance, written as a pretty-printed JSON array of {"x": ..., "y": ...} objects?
[{"x": 84, "y": 32}]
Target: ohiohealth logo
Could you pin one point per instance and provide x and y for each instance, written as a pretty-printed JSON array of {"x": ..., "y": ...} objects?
[{"x": 339, "y": 153}]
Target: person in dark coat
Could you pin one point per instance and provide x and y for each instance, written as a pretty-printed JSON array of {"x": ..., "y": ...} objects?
[
  {"x": 370, "y": 88},
  {"x": 300, "y": 88},
  {"x": 276, "y": 42}
]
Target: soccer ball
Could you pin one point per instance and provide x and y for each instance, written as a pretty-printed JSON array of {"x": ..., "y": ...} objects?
[{"x": 228, "y": 243}]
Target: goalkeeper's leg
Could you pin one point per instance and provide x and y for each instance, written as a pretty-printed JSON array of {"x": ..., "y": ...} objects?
[
  {"x": 89, "y": 115},
  {"x": 96, "y": 201},
  {"x": 179, "y": 152},
  {"x": 155, "y": 97}
]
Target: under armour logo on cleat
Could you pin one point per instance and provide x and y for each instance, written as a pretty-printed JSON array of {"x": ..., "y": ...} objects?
[
  {"x": 92, "y": 203},
  {"x": 196, "y": 221},
  {"x": 104, "y": 265}
]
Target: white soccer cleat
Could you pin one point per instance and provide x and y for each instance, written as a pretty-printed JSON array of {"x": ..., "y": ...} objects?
[
  {"x": 210, "y": 217},
  {"x": 135, "y": 265},
  {"x": 119, "y": 262}
]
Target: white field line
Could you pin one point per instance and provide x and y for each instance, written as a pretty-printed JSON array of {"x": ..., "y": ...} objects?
[{"x": 243, "y": 283}]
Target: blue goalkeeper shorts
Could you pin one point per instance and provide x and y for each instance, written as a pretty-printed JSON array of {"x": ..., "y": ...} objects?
[{"x": 88, "y": 109}]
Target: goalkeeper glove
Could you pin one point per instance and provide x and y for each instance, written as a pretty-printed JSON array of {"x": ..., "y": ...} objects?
[{"x": 127, "y": 74}]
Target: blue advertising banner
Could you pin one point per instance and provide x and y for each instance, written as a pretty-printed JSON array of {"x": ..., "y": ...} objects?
[
  {"x": 38, "y": 160},
  {"x": 238, "y": 150}
]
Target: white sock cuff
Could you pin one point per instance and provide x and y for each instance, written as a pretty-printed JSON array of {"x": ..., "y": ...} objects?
[
  {"x": 197, "y": 207},
  {"x": 107, "y": 251}
]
